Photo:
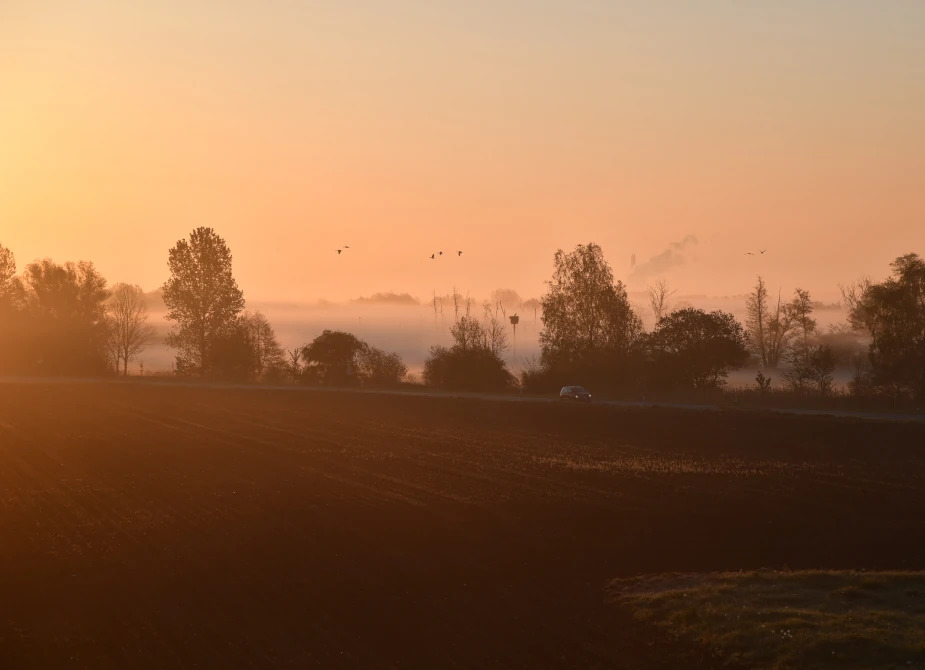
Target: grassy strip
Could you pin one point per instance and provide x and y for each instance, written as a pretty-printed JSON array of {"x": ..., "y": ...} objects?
[{"x": 778, "y": 620}]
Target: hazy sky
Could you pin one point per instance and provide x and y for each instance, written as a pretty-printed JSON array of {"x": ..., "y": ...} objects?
[{"x": 505, "y": 128}]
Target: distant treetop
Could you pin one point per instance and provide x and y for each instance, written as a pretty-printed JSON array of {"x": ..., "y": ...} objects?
[{"x": 388, "y": 299}]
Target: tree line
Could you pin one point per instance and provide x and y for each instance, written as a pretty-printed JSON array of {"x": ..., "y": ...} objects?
[{"x": 63, "y": 319}]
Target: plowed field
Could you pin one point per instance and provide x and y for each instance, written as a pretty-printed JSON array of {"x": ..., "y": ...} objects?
[{"x": 153, "y": 526}]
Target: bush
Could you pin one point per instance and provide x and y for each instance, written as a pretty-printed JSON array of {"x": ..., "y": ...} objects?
[
  {"x": 378, "y": 368},
  {"x": 456, "y": 369}
]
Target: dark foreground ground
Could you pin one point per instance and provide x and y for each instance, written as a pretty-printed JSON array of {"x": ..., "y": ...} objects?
[{"x": 164, "y": 527}]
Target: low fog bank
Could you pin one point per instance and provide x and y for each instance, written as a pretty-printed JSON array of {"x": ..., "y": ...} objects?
[
  {"x": 411, "y": 326},
  {"x": 409, "y": 329}
]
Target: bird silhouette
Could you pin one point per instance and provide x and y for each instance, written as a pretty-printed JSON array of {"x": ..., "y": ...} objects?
[
  {"x": 346, "y": 247},
  {"x": 459, "y": 253},
  {"x": 338, "y": 251},
  {"x": 763, "y": 250},
  {"x": 749, "y": 253},
  {"x": 441, "y": 253},
  {"x": 432, "y": 256}
]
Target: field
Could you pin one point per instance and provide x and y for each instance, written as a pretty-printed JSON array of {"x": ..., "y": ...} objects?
[{"x": 180, "y": 527}]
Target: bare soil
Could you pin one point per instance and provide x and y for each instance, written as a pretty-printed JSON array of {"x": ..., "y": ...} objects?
[{"x": 176, "y": 527}]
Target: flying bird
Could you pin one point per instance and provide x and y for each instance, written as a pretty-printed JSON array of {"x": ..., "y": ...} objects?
[
  {"x": 763, "y": 250},
  {"x": 432, "y": 256},
  {"x": 749, "y": 253},
  {"x": 346, "y": 247},
  {"x": 459, "y": 253},
  {"x": 338, "y": 251},
  {"x": 441, "y": 253}
]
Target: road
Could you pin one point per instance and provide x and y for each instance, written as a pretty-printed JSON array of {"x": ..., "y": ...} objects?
[{"x": 494, "y": 397}]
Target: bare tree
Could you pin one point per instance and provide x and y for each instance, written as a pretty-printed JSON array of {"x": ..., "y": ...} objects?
[
  {"x": 128, "y": 330},
  {"x": 495, "y": 331},
  {"x": 779, "y": 332},
  {"x": 757, "y": 317},
  {"x": 456, "y": 297},
  {"x": 658, "y": 299},
  {"x": 295, "y": 363},
  {"x": 853, "y": 299}
]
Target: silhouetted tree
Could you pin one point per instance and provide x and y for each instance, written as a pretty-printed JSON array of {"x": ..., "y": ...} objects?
[
  {"x": 202, "y": 298},
  {"x": 12, "y": 335},
  {"x": 780, "y": 332},
  {"x": 231, "y": 354},
  {"x": 801, "y": 310},
  {"x": 127, "y": 327},
  {"x": 853, "y": 300},
  {"x": 331, "y": 358},
  {"x": 658, "y": 299},
  {"x": 588, "y": 322},
  {"x": 294, "y": 364},
  {"x": 770, "y": 330},
  {"x": 379, "y": 368},
  {"x": 757, "y": 317},
  {"x": 695, "y": 349},
  {"x": 507, "y": 297},
  {"x": 495, "y": 330},
  {"x": 893, "y": 312},
  {"x": 267, "y": 353},
  {"x": 7, "y": 274},
  {"x": 63, "y": 314},
  {"x": 470, "y": 364},
  {"x": 468, "y": 334}
]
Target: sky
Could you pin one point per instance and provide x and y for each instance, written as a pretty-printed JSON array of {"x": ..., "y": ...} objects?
[{"x": 685, "y": 132}]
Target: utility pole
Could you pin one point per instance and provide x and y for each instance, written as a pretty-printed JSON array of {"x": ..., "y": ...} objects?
[{"x": 514, "y": 321}]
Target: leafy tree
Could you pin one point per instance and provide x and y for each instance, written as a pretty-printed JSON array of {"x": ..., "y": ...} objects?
[
  {"x": 267, "y": 353},
  {"x": 468, "y": 334},
  {"x": 452, "y": 369},
  {"x": 893, "y": 312},
  {"x": 695, "y": 349},
  {"x": 331, "y": 357},
  {"x": 63, "y": 314},
  {"x": 231, "y": 353},
  {"x": 471, "y": 364},
  {"x": 202, "y": 298},
  {"x": 128, "y": 330},
  {"x": 339, "y": 358},
  {"x": 7, "y": 274},
  {"x": 379, "y": 368},
  {"x": 12, "y": 337},
  {"x": 587, "y": 318},
  {"x": 507, "y": 297}
]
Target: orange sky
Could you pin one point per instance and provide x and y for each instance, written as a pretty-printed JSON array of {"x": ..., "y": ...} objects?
[{"x": 506, "y": 129}]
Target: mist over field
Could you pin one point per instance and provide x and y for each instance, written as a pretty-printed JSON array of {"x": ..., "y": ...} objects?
[
  {"x": 410, "y": 327},
  {"x": 407, "y": 329}
]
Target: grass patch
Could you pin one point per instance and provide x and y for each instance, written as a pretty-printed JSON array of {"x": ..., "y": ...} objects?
[{"x": 778, "y": 620}]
